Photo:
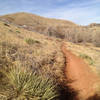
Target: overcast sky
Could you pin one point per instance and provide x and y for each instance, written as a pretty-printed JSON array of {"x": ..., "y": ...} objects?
[{"x": 82, "y": 12}]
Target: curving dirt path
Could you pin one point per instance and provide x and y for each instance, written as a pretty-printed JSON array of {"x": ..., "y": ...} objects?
[{"x": 81, "y": 76}]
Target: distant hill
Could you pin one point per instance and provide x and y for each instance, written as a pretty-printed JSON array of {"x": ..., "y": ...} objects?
[
  {"x": 29, "y": 19},
  {"x": 32, "y": 19}
]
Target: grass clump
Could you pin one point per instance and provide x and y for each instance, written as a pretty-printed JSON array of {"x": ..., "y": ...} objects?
[
  {"x": 17, "y": 31},
  {"x": 28, "y": 85},
  {"x": 31, "y": 41},
  {"x": 87, "y": 58}
]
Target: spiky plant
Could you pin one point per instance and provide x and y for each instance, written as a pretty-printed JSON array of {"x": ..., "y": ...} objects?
[{"x": 28, "y": 85}]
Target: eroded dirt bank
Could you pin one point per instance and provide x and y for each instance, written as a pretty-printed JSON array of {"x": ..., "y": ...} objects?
[{"x": 80, "y": 75}]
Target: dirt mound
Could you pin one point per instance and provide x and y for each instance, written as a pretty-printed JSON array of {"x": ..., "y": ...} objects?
[{"x": 80, "y": 75}]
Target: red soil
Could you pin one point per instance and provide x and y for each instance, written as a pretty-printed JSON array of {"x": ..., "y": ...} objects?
[{"x": 83, "y": 79}]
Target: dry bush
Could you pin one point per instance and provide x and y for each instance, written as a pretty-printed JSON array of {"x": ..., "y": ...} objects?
[
  {"x": 31, "y": 41},
  {"x": 96, "y": 39},
  {"x": 75, "y": 34}
]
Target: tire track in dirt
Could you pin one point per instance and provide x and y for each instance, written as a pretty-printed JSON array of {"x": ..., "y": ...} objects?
[{"x": 82, "y": 78}]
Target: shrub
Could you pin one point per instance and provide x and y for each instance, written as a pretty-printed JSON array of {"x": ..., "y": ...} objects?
[
  {"x": 17, "y": 31},
  {"x": 31, "y": 41},
  {"x": 27, "y": 85},
  {"x": 96, "y": 39},
  {"x": 86, "y": 57}
]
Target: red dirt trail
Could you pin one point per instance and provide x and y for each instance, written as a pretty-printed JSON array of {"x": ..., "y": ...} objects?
[{"x": 83, "y": 79}]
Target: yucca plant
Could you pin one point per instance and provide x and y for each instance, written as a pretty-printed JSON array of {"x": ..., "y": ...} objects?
[{"x": 28, "y": 85}]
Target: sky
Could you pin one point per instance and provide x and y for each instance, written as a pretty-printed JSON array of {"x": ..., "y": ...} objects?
[{"x": 82, "y": 12}]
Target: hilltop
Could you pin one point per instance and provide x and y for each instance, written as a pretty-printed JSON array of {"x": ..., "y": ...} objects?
[{"x": 29, "y": 19}]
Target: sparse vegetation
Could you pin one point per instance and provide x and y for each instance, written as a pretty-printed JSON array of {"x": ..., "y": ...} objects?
[{"x": 56, "y": 28}]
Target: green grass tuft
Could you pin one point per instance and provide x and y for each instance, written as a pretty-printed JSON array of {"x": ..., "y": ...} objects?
[
  {"x": 31, "y": 41},
  {"x": 86, "y": 57},
  {"x": 17, "y": 31}
]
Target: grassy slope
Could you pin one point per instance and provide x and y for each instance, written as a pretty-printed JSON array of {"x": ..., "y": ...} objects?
[
  {"x": 53, "y": 27},
  {"x": 39, "y": 24},
  {"x": 47, "y": 49},
  {"x": 43, "y": 53}
]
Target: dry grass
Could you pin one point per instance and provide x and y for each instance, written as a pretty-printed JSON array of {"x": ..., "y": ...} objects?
[
  {"x": 45, "y": 51},
  {"x": 57, "y": 28},
  {"x": 44, "y": 55}
]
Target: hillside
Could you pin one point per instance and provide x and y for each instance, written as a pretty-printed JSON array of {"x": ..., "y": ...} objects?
[
  {"x": 30, "y": 50},
  {"x": 43, "y": 50},
  {"x": 53, "y": 27}
]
